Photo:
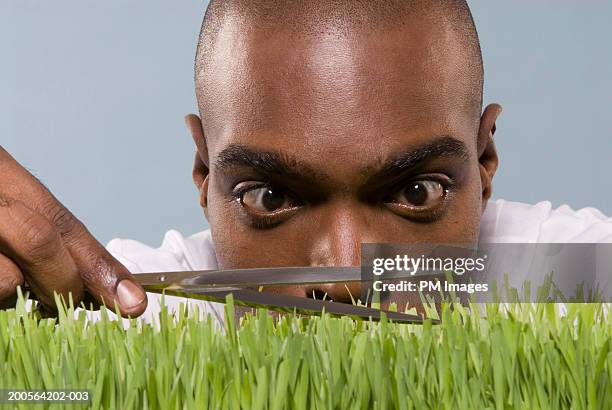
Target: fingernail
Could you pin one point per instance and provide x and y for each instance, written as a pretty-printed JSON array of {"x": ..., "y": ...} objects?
[{"x": 129, "y": 294}]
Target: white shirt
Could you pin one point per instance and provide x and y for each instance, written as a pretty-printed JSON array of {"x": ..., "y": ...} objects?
[{"x": 502, "y": 222}]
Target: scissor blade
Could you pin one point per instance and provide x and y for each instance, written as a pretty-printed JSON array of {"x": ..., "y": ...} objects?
[
  {"x": 289, "y": 304},
  {"x": 250, "y": 277}
]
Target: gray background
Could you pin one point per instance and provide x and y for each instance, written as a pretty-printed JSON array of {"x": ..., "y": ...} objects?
[{"x": 92, "y": 95}]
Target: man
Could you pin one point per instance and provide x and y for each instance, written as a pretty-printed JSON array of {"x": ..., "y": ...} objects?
[{"x": 324, "y": 124}]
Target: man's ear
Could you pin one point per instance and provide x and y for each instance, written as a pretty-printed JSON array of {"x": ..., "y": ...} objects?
[
  {"x": 201, "y": 163},
  {"x": 487, "y": 153}
]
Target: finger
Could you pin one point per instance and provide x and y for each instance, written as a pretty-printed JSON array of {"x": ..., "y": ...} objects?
[
  {"x": 107, "y": 280},
  {"x": 10, "y": 279},
  {"x": 36, "y": 247}
]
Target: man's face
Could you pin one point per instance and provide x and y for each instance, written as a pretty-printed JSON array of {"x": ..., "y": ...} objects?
[{"x": 319, "y": 143}]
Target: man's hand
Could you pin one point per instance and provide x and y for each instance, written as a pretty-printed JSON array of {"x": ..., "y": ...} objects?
[{"x": 43, "y": 244}]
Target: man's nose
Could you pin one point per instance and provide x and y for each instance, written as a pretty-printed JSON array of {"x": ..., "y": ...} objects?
[
  {"x": 338, "y": 239},
  {"x": 338, "y": 243}
]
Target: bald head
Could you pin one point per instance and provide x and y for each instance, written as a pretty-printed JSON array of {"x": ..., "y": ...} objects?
[{"x": 447, "y": 20}]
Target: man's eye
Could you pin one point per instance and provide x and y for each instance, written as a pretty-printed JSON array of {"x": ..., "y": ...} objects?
[
  {"x": 265, "y": 199},
  {"x": 421, "y": 194}
]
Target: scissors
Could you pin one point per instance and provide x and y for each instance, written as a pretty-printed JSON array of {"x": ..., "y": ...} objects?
[{"x": 246, "y": 287}]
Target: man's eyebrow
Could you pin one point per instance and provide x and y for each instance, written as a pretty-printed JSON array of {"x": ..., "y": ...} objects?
[
  {"x": 440, "y": 147},
  {"x": 267, "y": 162}
]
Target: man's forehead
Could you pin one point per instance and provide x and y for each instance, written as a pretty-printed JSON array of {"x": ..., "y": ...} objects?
[
  {"x": 323, "y": 82},
  {"x": 336, "y": 92}
]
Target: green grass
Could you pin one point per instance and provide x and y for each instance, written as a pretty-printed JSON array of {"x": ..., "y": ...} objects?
[{"x": 527, "y": 356}]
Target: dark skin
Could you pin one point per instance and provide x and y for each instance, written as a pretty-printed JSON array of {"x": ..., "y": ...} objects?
[
  {"x": 366, "y": 139},
  {"x": 309, "y": 146}
]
